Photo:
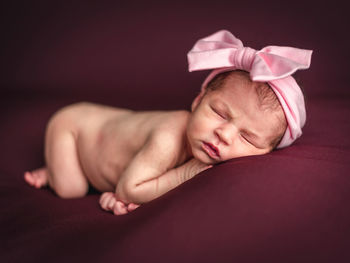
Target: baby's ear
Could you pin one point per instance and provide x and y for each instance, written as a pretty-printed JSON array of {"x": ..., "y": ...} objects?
[{"x": 198, "y": 99}]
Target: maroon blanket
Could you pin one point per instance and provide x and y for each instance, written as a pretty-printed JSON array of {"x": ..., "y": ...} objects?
[{"x": 288, "y": 206}]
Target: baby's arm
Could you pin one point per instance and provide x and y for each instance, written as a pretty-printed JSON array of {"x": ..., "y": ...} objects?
[
  {"x": 148, "y": 175},
  {"x": 120, "y": 204},
  {"x": 153, "y": 185}
]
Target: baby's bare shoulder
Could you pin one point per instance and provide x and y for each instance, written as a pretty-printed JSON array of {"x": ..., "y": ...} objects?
[
  {"x": 173, "y": 124},
  {"x": 168, "y": 136},
  {"x": 165, "y": 149}
]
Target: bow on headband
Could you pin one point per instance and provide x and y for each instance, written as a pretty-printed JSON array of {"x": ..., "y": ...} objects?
[{"x": 222, "y": 51}]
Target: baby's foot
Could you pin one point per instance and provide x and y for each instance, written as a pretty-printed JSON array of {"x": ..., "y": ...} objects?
[
  {"x": 109, "y": 202},
  {"x": 37, "y": 178}
]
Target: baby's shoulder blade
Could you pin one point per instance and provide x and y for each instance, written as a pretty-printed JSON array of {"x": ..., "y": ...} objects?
[
  {"x": 171, "y": 128},
  {"x": 175, "y": 122},
  {"x": 168, "y": 138}
]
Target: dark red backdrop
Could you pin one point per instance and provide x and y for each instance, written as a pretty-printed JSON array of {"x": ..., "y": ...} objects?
[{"x": 289, "y": 206}]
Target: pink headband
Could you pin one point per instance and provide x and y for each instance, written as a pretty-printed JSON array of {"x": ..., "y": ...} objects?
[{"x": 222, "y": 52}]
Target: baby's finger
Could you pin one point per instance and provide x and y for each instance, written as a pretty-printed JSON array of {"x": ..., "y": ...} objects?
[
  {"x": 196, "y": 166},
  {"x": 132, "y": 207},
  {"x": 200, "y": 167},
  {"x": 104, "y": 199},
  {"x": 205, "y": 167},
  {"x": 120, "y": 208},
  {"x": 111, "y": 203}
]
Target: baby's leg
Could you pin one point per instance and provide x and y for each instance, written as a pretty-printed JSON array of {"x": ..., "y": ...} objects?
[{"x": 63, "y": 173}]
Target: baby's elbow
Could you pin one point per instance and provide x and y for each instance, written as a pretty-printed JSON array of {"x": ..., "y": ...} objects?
[{"x": 128, "y": 193}]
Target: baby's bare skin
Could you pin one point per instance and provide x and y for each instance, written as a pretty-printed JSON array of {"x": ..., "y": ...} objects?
[
  {"x": 135, "y": 157},
  {"x": 111, "y": 149}
]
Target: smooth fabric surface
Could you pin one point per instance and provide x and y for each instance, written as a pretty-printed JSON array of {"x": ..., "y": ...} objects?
[{"x": 288, "y": 206}]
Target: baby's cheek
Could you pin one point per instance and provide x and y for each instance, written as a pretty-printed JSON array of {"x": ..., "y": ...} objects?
[{"x": 200, "y": 125}]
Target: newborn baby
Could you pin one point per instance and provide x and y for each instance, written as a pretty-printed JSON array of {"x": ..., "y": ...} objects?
[{"x": 135, "y": 157}]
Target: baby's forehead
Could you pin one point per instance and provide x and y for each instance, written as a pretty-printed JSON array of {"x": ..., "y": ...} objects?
[
  {"x": 233, "y": 93},
  {"x": 241, "y": 87}
]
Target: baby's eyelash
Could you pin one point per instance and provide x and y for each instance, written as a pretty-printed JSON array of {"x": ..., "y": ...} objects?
[
  {"x": 245, "y": 138},
  {"x": 218, "y": 113},
  {"x": 249, "y": 141}
]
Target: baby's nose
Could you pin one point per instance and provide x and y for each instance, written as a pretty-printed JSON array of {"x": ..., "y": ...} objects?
[{"x": 226, "y": 134}]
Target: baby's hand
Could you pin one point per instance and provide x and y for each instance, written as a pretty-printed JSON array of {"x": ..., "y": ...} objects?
[
  {"x": 190, "y": 169},
  {"x": 109, "y": 202}
]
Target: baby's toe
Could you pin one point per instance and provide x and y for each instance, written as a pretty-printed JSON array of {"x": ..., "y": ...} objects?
[
  {"x": 38, "y": 182},
  {"x": 28, "y": 177}
]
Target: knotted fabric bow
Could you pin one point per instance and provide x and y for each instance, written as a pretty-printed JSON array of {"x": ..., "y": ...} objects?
[{"x": 222, "y": 52}]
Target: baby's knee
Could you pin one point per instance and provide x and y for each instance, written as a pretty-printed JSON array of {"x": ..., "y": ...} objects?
[{"x": 71, "y": 190}]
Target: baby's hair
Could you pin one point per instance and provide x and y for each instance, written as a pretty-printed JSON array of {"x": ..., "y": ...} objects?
[{"x": 267, "y": 98}]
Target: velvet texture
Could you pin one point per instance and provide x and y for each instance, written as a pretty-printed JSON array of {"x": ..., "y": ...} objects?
[{"x": 288, "y": 206}]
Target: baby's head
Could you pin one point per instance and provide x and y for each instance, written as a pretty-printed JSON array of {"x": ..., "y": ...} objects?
[
  {"x": 234, "y": 117},
  {"x": 249, "y": 104}
]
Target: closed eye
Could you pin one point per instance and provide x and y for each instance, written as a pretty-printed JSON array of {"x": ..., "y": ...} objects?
[
  {"x": 218, "y": 112},
  {"x": 247, "y": 140}
]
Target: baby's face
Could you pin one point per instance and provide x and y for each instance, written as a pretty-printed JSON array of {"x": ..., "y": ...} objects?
[{"x": 228, "y": 123}]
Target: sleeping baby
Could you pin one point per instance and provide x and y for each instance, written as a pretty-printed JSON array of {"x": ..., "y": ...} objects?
[{"x": 248, "y": 105}]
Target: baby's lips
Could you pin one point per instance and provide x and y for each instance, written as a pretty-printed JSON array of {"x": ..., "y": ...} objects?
[
  {"x": 211, "y": 150},
  {"x": 216, "y": 149}
]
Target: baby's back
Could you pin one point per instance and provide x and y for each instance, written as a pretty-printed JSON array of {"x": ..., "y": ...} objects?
[{"x": 109, "y": 138}]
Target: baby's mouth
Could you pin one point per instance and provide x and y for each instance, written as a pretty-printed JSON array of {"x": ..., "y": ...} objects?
[{"x": 211, "y": 150}]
